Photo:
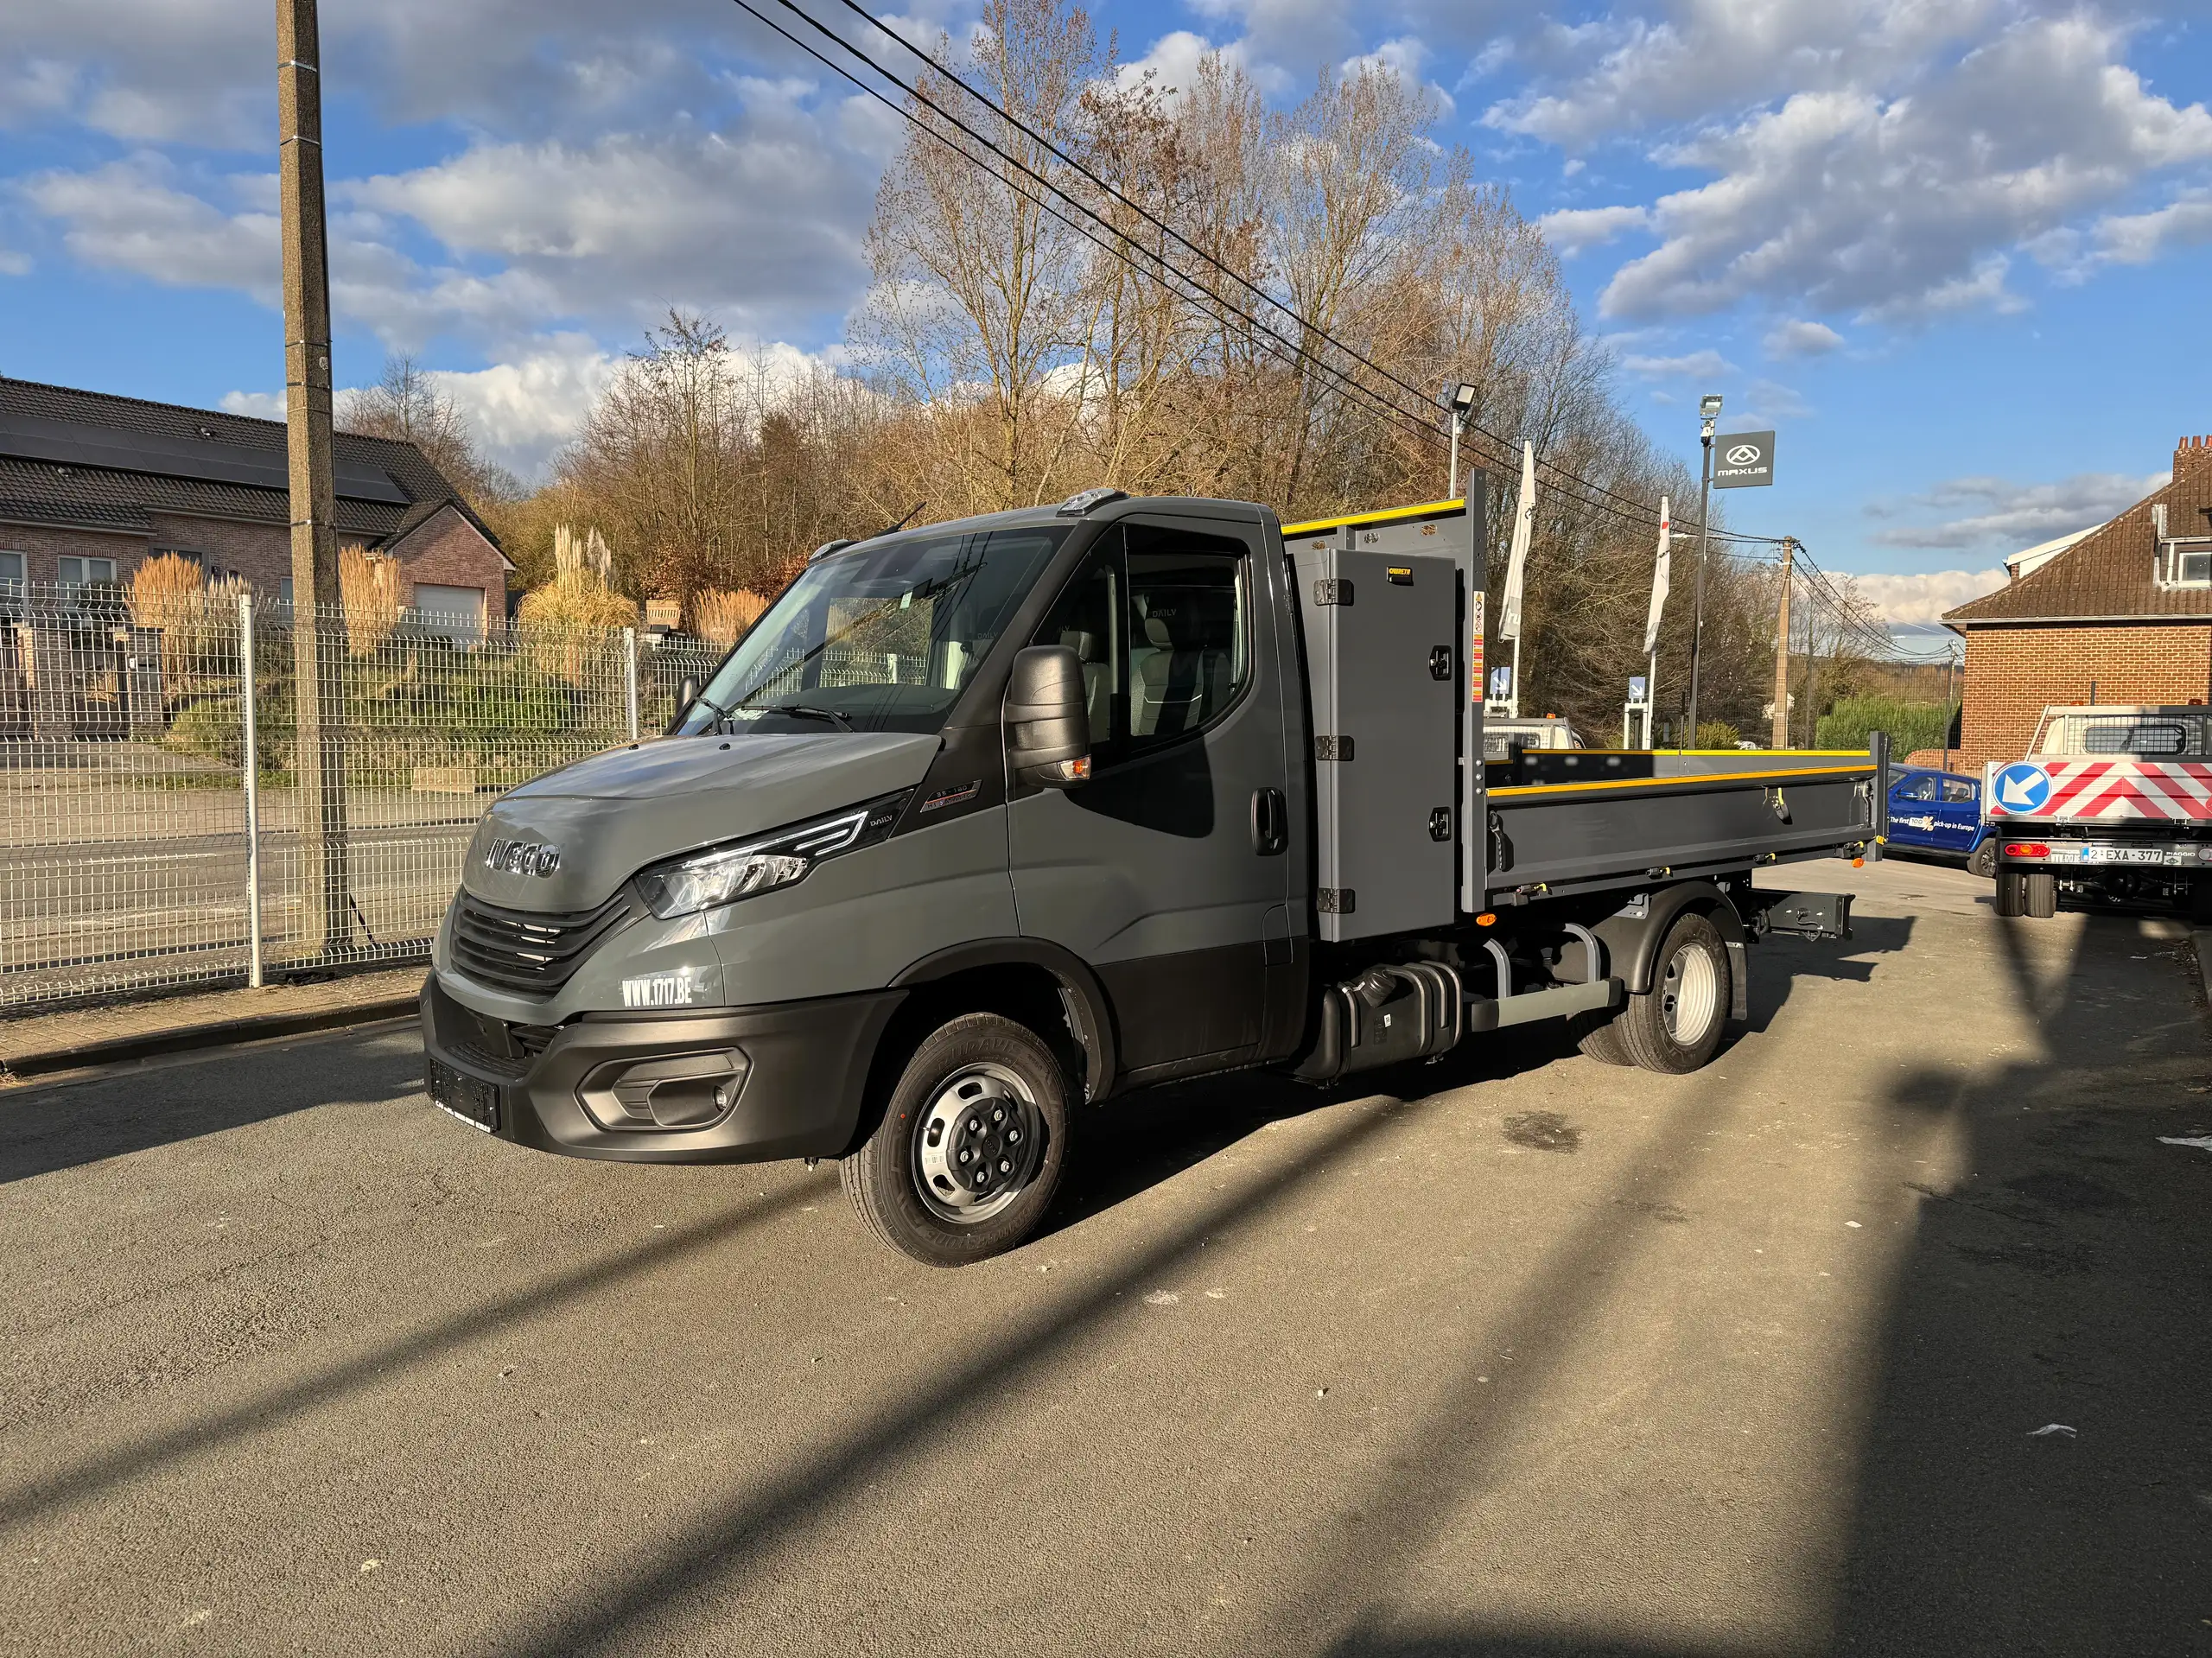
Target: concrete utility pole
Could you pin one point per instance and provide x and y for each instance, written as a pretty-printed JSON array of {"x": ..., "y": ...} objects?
[
  {"x": 1782, "y": 649},
  {"x": 317, "y": 770},
  {"x": 1709, "y": 416}
]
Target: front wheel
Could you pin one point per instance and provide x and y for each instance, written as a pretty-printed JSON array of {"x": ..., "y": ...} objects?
[
  {"x": 1676, "y": 1025},
  {"x": 969, "y": 1150},
  {"x": 1982, "y": 860}
]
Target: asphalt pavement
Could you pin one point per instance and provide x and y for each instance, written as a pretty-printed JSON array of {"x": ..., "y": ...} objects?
[{"x": 1889, "y": 1333}]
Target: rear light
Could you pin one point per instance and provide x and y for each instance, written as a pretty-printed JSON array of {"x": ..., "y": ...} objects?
[{"x": 2026, "y": 850}]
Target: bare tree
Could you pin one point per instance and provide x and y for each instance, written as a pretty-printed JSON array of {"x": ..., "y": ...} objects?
[{"x": 406, "y": 404}]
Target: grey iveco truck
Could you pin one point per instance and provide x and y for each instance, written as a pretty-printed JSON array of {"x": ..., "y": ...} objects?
[{"x": 983, "y": 824}]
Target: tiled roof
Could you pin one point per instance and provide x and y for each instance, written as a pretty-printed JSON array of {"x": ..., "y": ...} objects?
[
  {"x": 208, "y": 453},
  {"x": 2112, "y": 571}
]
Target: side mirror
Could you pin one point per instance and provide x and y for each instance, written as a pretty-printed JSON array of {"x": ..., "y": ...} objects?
[
  {"x": 686, "y": 694},
  {"x": 1048, "y": 718}
]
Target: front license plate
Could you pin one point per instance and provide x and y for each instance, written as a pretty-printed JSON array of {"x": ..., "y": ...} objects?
[{"x": 475, "y": 1101}]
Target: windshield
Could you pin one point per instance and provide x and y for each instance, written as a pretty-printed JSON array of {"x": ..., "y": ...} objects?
[{"x": 883, "y": 637}]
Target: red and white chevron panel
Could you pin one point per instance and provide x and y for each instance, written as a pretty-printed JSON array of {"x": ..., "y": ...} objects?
[{"x": 2118, "y": 789}]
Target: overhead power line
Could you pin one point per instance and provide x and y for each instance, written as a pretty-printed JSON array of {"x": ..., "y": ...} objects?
[
  {"x": 1508, "y": 448},
  {"x": 1363, "y": 399},
  {"x": 1585, "y": 491}
]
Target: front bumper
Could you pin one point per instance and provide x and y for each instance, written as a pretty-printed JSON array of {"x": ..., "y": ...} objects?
[{"x": 803, "y": 1082}]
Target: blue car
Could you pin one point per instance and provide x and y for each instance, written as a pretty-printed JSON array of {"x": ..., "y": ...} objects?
[{"x": 1940, "y": 813}]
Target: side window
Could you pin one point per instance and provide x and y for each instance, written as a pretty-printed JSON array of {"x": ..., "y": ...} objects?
[
  {"x": 1087, "y": 620},
  {"x": 12, "y": 570},
  {"x": 1920, "y": 788},
  {"x": 1188, "y": 626},
  {"x": 1957, "y": 791}
]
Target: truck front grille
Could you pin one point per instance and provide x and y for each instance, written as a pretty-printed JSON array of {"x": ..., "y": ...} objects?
[{"x": 533, "y": 952}]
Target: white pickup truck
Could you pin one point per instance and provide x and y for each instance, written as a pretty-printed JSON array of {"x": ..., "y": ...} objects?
[{"x": 2113, "y": 806}]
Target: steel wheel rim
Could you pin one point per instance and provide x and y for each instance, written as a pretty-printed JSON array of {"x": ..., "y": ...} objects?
[
  {"x": 1689, "y": 998},
  {"x": 978, "y": 1145}
]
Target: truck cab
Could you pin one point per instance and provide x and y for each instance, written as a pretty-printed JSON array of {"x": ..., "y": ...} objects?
[{"x": 984, "y": 823}]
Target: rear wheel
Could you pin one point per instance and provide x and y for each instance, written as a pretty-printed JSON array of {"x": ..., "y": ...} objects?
[
  {"x": 2200, "y": 900},
  {"x": 1598, "y": 1035},
  {"x": 1676, "y": 1025},
  {"x": 1982, "y": 860},
  {"x": 969, "y": 1154},
  {"x": 2040, "y": 894}
]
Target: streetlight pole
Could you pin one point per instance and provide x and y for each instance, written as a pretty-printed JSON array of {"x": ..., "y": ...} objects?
[
  {"x": 1709, "y": 416},
  {"x": 1459, "y": 398}
]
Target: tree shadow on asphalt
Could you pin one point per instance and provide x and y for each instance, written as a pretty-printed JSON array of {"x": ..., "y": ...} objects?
[
  {"x": 46, "y": 1128},
  {"x": 1137, "y": 1141},
  {"x": 1779, "y": 960},
  {"x": 2062, "y": 1281}
]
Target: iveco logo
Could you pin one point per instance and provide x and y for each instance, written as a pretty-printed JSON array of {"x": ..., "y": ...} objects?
[
  {"x": 1743, "y": 454},
  {"x": 522, "y": 858}
]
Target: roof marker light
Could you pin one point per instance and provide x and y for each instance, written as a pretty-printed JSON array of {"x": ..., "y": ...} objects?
[{"x": 1083, "y": 499}]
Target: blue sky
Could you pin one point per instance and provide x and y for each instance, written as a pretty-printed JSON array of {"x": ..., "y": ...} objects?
[{"x": 1958, "y": 252}]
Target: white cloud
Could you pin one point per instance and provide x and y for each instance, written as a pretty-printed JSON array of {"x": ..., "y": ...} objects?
[
  {"x": 1696, "y": 366},
  {"x": 129, "y": 215},
  {"x": 1910, "y": 600},
  {"x": 1771, "y": 400},
  {"x": 1297, "y": 36},
  {"x": 1885, "y": 158},
  {"x": 759, "y": 225},
  {"x": 1172, "y": 61},
  {"x": 2138, "y": 238},
  {"x": 2002, "y": 516},
  {"x": 1627, "y": 74},
  {"x": 535, "y": 396},
  {"x": 1573, "y": 229},
  {"x": 1797, "y": 338},
  {"x": 261, "y": 405},
  {"x": 762, "y": 225}
]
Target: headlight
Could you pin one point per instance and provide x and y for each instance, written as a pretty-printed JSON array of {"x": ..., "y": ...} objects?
[{"x": 722, "y": 874}]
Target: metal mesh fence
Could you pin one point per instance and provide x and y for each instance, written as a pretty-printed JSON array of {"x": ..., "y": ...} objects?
[{"x": 174, "y": 812}]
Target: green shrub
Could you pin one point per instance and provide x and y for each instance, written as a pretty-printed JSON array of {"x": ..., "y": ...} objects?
[{"x": 1854, "y": 719}]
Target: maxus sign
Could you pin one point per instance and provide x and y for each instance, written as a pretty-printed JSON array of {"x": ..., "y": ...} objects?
[{"x": 1742, "y": 460}]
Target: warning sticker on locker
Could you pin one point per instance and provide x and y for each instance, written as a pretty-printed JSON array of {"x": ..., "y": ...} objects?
[{"x": 1475, "y": 677}]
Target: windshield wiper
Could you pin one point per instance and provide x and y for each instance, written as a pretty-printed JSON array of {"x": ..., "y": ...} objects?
[{"x": 830, "y": 715}]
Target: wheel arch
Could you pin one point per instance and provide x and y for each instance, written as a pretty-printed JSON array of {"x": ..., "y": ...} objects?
[
  {"x": 1019, "y": 977},
  {"x": 1632, "y": 942}
]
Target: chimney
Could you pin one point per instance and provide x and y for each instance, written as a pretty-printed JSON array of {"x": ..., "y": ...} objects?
[{"x": 2193, "y": 455}]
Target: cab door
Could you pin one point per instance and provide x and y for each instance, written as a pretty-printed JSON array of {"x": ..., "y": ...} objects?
[
  {"x": 1958, "y": 814},
  {"x": 1912, "y": 810},
  {"x": 1170, "y": 871}
]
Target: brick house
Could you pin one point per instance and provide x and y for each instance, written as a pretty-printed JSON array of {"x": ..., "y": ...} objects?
[
  {"x": 92, "y": 485},
  {"x": 2122, "y": 615}
]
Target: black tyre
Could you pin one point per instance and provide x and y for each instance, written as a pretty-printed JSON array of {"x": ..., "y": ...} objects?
[
  {"x": 2041, "y": 895},
  {"x": 1677, "y": 1025},
  {"x": 2012, "y": 892},
  {"x": 1599, "y": 1036},
  {"x": 969, "y": 1154},
  {"x": 1982, "y": 860},
  {"x": 2200, "y": 900}
]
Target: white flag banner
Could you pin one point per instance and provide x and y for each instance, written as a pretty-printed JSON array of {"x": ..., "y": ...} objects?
[
  {"x": 1659, "y": 580},
  {"x": 1516, "y": 564}
]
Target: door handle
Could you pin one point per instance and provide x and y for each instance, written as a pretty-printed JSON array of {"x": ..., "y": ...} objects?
[{"x": 1270, "y": 822}]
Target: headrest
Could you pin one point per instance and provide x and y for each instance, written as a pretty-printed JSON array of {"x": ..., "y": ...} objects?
[
  {"x": 1156, "y": 630},
  {"x": 1082, "y": 643}
]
